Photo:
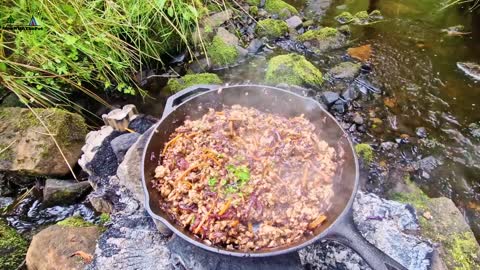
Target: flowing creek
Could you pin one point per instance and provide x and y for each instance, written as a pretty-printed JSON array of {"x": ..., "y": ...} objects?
[{"x": 414, "y": 65}]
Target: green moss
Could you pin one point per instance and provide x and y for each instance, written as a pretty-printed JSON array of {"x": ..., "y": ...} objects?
[
  {"x": 376, "y": 13},
  {"x": 271, "y": 28},
  {"x": 253, "y": 10},
  {"x": 319, "y": 34},
  {"x": 292, "y": 69},
  {"x": 221, "y": 53},
  {"x": 283, "y": 9},
  {"x": 345, "y": 17},
  {"x": 188, "y": 80},
  {"x": 415, "y": 197},
  {"x": 362, "y": 15},
  {"x": 74, "y": 222},
  {"x": 464, "y": 251},
  {"x": 253, "y": 2},
  {"x": 12, "y": 247},
  {"x": 365, "y": 151},
  {"x": 104, "y": 218}
]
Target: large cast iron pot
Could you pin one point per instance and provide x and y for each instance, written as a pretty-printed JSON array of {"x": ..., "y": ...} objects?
[{"x": 195, "y": 102}]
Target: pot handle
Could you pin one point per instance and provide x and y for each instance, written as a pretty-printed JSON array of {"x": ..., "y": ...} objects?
[
  {"x": 346, "y": 233},
  {"x": 185, "y": 94}
]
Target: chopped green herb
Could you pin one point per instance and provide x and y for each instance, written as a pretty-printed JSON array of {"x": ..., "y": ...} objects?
[
  {"x": 231, "y": 189},
  {"x": 220, "y": 155},
  {"x": 212, "y": 181},
  {"x": 192, "y": 221}
]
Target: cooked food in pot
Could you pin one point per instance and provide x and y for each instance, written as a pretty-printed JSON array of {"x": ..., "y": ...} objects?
[{"x": 246, "y": 180}]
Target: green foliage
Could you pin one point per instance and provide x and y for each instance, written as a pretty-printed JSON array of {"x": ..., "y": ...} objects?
[
  {"x": 292, "y": 69},
  {"x": 414, "y": 197},
  {"x": 177, "y": 84},
  {"x": 365, "y": 151},
  {"x": 221, "y": 53},
  {"x": 88, "y": 45},
  {"x": 12, "y": 247},
  {"x": 74, "y": 222},
  {"x": 271, "y": 28}
]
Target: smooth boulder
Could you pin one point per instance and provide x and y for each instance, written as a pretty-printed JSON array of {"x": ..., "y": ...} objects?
[{"x": 28, "y": 148}]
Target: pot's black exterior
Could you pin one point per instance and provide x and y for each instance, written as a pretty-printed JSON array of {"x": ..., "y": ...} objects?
[{"x": 193, "y": 102}]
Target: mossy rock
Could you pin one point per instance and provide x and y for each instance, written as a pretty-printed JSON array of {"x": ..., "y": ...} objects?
[
  {"x": 12, "y": 247},
  {"x": 177, "y": 84},
  {"x": 271, "y": 28},
  {"x": 445, "y": 225},
  {"x": 365, "y": 151},
  {"x": 30, "y": 149},
  {"x": 345, "y": 17},
  {"x": 75, "y": 221},
  {"x": 324, "y": 39},
  {"x": 278, "y": 7},
  {"x": 361, "y": 15},
  {"x": 253, "y": 10},
  {"x": 293, "y": 69},
  {"x": 221, "y": 53}
]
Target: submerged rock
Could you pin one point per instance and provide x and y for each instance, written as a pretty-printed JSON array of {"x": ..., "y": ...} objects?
[
  {"x": 345, "y": 17},
  {"x": 324, "y": 39},
  {"x": 293, "y": 69},
  {"x": 271, "y": 28},
  {"x": 12, "y": 247},
  {"x": 471, "y": 69},
  {"x": 58, "y": 192},
  {"x": 27, "y": 147},
  {"x": 294, "y": 22},
  {"x": 177, "y": 84},
  {"x": 67, "y": 246},
  {"x": 345, "y": 70}
]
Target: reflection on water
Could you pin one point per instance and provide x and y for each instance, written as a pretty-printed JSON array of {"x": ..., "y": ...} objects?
[{"x": 415, "y": 63}]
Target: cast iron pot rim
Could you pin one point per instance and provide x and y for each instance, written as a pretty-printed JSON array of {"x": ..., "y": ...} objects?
[{"x": 293, "y": 248}]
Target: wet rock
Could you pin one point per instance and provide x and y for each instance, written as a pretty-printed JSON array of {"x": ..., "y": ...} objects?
[
  {"x": 27, "y": 147},
  {"x": 345, "y": 70},
  {"x": 426, "y": 166},
  {"x": 294, "y": 22},
  {"x": 386, "y": 146},
  {"x": 122, "y": 143},
  {"x": 104, "y": 162},
  {"x": 474, "y": 129},
  {"x": 271, "y": 28},
  {"x": 255, "y": 46},
  {"x": 142, "y": 123},
  {"x": 53, "y": 247},
  {"x": 101, "y": 200},
  {"x": 278, "y": 8},
  {"x": 421, "y": 132},
  {"x": 12, "y": 247},
  {"x": 340, "y": 106},
  {"x": 358, "y": 119},
  {"x": 293, "y": 69},
  {"x": 471, "y": 69},
  {"x": 317, "y": 8},
  {"x": 57, "y": 192},
  {"x": 217, "y": 19},
  {"x": 5, "y": 202},
  {"x": 323, "y": 39},
  {"x": 331, "y": 255},
  {"x": 329, "y": 98},
  {"x": 350, "y": 94}
]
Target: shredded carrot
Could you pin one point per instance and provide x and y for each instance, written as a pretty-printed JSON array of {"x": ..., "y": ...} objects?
[
  {"x": 193, "y": 134},
  {"x": 230, "y": 125},
  {"x": 220, "y": 113},
  {"x": 225, "y": 207},
  {"x": 234, "y": 223},
  {"x": 189, "y": 170},
  {"x": 211, "y": 156},
  {"x": 203, "y": 221},
  {"x": 317, "y": 222},
  {"x": 170, "y": 143},
  {"x": 250, "y": 227},
  {"x": 235, "y": 119},
  {"x": 187, "y": 184}
]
